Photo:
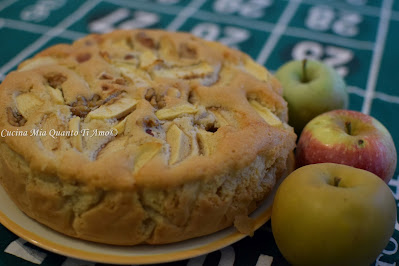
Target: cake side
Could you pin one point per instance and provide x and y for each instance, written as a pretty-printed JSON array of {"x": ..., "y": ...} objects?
[
  {"x": 144, "y": 215},
  {"x": 175, "y": 136}
]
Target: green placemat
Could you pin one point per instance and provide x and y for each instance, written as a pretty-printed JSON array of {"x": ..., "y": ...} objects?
[{"x": 360, "y": 38}]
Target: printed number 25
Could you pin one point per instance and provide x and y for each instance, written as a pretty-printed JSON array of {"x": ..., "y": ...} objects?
[
  {"x": 228, "y": 35},
  {"x": 333, "y": 56}
]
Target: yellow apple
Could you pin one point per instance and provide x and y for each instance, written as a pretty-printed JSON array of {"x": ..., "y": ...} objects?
[{"x": 332, "y": 214}]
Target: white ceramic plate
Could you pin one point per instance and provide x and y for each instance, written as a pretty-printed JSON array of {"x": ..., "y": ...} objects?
[{"x": 44, "y": 237}]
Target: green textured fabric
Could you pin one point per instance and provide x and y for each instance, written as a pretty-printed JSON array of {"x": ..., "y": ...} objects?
[{"x": 360, "y": 38}]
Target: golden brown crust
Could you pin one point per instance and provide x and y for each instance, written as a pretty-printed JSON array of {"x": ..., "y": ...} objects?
[{"x": 201, "y": 130}]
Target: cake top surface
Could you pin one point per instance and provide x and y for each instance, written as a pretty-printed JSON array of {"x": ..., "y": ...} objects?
[{"x": 142, "y": 107}]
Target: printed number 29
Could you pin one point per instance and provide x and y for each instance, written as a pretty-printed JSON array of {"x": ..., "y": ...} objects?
[
  {"x": 248, "y": 8},
  {"x": 333, "y": 56}
]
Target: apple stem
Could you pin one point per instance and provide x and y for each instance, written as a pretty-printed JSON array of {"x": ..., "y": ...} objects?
[
  {"x": 304, "y": 74},
  {"x": 348, "y": 126},
  {"x": 336, "y": 181}
]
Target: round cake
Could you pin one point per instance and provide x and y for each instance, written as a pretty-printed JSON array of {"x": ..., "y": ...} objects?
[{"x": 141, "y": 136}]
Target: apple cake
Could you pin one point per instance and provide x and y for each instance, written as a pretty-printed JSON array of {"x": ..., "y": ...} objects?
[{"x": 141, "y": 136}]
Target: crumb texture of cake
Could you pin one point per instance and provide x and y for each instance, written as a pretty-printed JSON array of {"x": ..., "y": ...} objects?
[{"x": 141, "y": 136}]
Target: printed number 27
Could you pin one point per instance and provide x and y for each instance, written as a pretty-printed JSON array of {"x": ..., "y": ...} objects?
[{"x": 123, "y": 18}]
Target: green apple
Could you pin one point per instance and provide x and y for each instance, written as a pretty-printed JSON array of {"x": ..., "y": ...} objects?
[
  {"x": 332, "y": 214},
  {"x": 310, "y": 88}
]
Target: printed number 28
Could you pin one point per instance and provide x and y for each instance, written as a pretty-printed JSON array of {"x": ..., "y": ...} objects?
[
  {"x": 323, "y": 18},
  {"x": 333, "y": 56}
]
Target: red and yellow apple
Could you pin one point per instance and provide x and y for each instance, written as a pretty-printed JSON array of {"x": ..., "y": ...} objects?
[
  {"x": 332, "y": 214},
  {"x": 351, "y": 138}
]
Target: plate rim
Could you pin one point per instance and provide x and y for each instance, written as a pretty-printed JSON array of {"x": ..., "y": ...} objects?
[{"x": 49, "y": 245}]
